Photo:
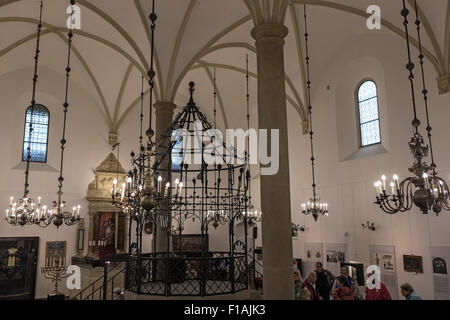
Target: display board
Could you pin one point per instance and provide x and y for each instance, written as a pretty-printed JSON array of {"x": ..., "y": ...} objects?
[
  {"x": 313, "y": 254},
  {"x": 384, "y": 258},
  {"x": 441, "y": 283},
  {"x": 335, "y": 255}
]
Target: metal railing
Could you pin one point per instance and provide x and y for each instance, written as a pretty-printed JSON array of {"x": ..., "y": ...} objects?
[
  {"x": 182, "y": 275},
  {"x": 255, "y": 273},
  {"x": 98, "y": 289}
]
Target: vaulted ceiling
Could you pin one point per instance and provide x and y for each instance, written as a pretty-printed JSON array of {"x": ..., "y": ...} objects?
[{"x": 112, "y": 48}]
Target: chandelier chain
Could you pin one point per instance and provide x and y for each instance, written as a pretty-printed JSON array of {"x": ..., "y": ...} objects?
[
  {"x": 424, "y": 90},
  {"x": 410, "y": 67},
  {"x": 308, "y": 82},
  {"x": 141, "y": 116},
  {"x": 66, "y": 103},
  {"x": 33, "y": 103},
  {"x": 151, "y": 72}
]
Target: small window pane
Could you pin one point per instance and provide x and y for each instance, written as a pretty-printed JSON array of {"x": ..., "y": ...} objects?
[
  {"x": 370, "y": 133},
  {"x": 369, "y": 119},
  {"x": 368, "y": 110},
  {"x": 367, "y": 90},
  {"x": 39, "y": 137}
]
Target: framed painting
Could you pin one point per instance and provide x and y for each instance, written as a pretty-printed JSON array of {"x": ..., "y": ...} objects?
[
  {"x": 413, "y": 264},
  {"x": 107, "y": 228},
  {"x": 18, "y": 267},
  {"x": 54, "y": 251}
]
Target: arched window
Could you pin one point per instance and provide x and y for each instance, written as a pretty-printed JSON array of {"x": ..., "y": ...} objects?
[
  {"x": 38, "y": 141},
  {"x": 369, "y": 118}
]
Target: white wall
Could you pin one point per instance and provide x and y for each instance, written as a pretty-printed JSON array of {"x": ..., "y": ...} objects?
[{"x": 347, "y": 185}]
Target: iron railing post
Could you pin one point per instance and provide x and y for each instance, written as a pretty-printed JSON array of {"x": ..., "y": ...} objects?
[
  {"x": 167, "y": 274},
  {"x": 105, "y": 280},
  {"x": 232, "y": 261},
  {"x": 139, "y": 275}
]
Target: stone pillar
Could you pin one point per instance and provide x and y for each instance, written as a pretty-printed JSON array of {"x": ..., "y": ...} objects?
[
  {"x": 164, "y": 118},
  {"x": 275, "y": 189}
]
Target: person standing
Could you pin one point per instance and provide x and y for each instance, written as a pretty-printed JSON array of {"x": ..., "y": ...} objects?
[
  {"x": 297, "y": 285},
  {"x": 324, "y": 281},
  {"x": 374, "y": 293},
  {"x": 343, "y": 290},
  {"x": 296, "y": 269},
  {"x": 408, "y": 292},
  {"x": 352, "y": 283},
  {"x": 311, "y": 286}
]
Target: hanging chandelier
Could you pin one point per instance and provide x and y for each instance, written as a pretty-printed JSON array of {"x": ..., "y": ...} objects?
[
  {"x": 313, "y": 207},
  {"x": 25, "y": 210},
  {"x": 58, "y": 215},
  {"x": 425, "y": 188}
]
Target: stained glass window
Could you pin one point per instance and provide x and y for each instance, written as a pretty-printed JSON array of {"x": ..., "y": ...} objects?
[
  {"x": 38, "y": 141},
  {"x": 369, "y": 120}
]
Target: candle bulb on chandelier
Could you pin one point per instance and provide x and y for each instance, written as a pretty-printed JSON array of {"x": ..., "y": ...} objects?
[
  {"x": 177, "y": 181},
  {"x": 181, "y": 188},
  {"x": 425, "y": 177},
  {"x": 166, "y": 190},
  {"x": 129, "y": 184},
  {"x": 123, "y": 191},
  {"x": 159, "y": 184},
  {"x": 383, "y": 178}
]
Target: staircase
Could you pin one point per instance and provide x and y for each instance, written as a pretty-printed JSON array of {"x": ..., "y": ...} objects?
[
  {"x": 103, "y": 287},
  {"x": 255, "y": 278}
]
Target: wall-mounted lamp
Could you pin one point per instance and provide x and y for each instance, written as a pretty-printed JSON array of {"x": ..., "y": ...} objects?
[
  {"x": 296, "y": 229},
  {"x": 369, "y": 225}
]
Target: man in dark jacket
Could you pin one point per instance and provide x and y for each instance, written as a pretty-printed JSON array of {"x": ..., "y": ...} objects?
[
  {"x": 311, "y": 285},
  {"x": 324, "y": 281}
]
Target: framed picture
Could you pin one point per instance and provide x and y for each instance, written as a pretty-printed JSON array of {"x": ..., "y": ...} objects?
[
  {"x": 107, "y": 228},
  {"x": 18, "y": 267},
  {"x": 439, "y": 265},
  {"x": 413, "y": 264},
  {"x": 54, "y": 251}
]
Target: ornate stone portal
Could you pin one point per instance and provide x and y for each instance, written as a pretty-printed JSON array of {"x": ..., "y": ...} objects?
[{"x": 107, "y": 223}]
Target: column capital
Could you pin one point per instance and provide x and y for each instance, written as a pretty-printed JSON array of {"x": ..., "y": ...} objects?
[
  {"x": 269, "y": 30},
  {"x": 267, "y": 11},
  {"x": 164, "y": 106},
  {"x": 113, "y": 138}
]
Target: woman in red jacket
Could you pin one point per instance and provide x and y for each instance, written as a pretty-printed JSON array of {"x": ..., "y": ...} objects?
[
  {"x": 378, "y": 292},
  {"x": 343, "y": 290}
]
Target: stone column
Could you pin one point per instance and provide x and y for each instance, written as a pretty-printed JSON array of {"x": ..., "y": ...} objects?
[
  {"x": 275, "y": 189},
  {"x": 164, "y": 118}
]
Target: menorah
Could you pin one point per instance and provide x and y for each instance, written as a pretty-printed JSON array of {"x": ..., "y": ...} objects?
[{"x": 55, "y": 269}]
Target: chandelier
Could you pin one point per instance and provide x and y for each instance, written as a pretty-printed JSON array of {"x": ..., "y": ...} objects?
[
  {"x": 25, "y": 210},
  {"x": 58, "y": 215},
  {"x": 424, "y": 188},
  {"x": 313, "y": 207}
]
